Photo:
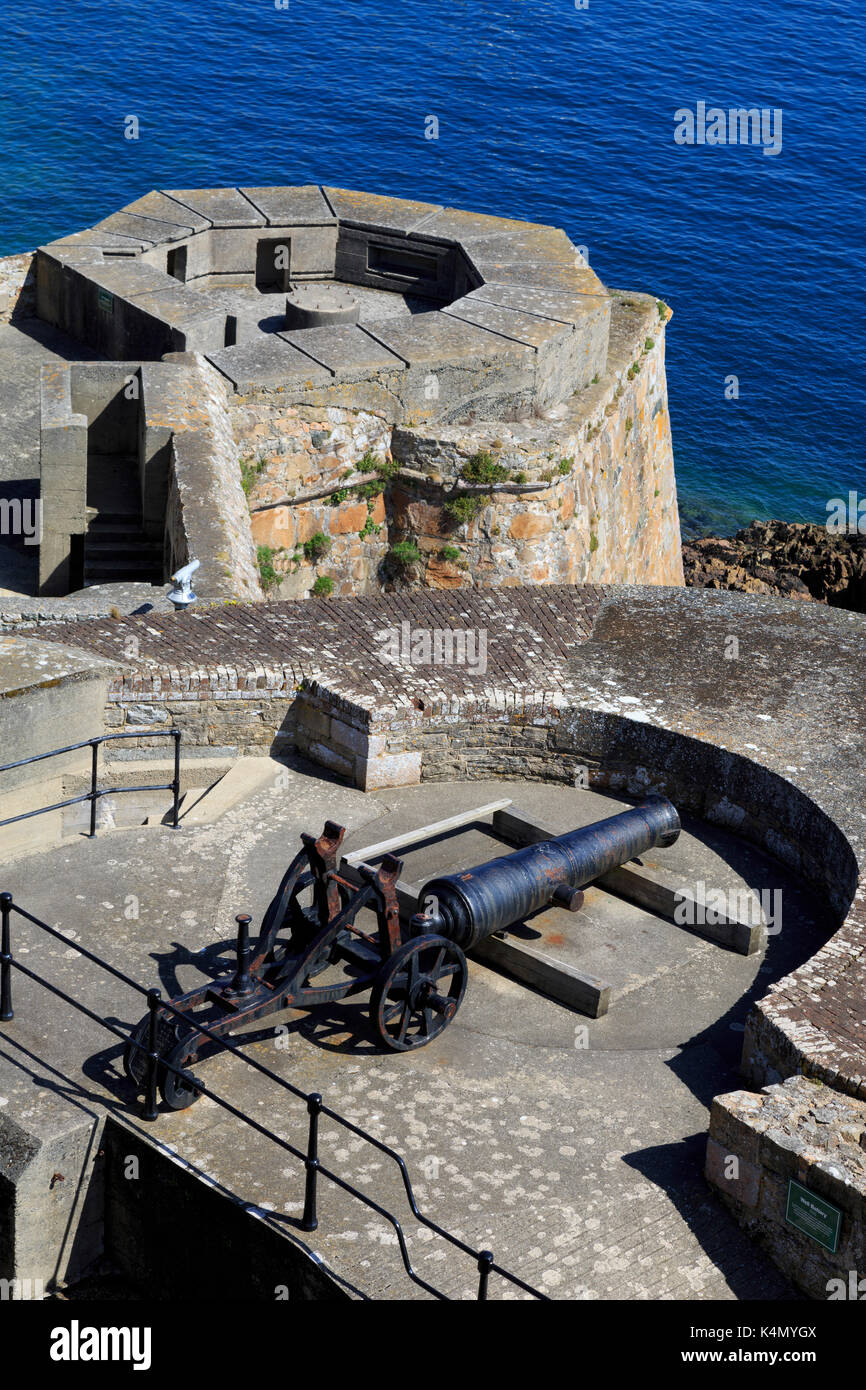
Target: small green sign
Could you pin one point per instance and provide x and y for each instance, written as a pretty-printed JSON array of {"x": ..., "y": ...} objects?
[
  {"x": 813, "y": 1216},
  {"x": 105, "y": 300}
]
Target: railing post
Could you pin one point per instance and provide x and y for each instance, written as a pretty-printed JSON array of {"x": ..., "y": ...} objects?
[
  {"x": 175, "y": 786},
  {"x": 94, "y": 769},
  {"x": 150, "y": 1110},
  {"x": 485, "y": 1260},
  {"x": 309, "y": 1220},
  {"x": 6, "y": 960}
]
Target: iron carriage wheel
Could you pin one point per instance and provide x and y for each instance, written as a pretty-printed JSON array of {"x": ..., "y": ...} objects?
[
  {"x": 418, "y": 991},
  {"x": 172, "y": 1042}
]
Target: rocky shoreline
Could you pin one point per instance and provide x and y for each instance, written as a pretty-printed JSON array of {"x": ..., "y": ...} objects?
[{"x": 792, "y": 559}]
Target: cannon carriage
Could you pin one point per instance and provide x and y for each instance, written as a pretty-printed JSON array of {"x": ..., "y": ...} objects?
[{"x": 416, "y": 971}]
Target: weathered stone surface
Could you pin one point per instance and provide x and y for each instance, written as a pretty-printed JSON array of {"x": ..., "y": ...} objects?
[
  {"x": 376, "y": 212},
  {"x": 347, "y": 351},
  {"x": 304, "y": 205},
  {"x": 223, "y": 207},
  {"x": 267, "y": 364}
]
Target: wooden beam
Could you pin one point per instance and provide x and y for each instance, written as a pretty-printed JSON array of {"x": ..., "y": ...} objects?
[
  {"x": 568, "y": 985},
  {"x": 424, "y": 832}
]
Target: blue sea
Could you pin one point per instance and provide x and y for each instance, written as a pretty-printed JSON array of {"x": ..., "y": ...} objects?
[{"x": 547, "y": 110}]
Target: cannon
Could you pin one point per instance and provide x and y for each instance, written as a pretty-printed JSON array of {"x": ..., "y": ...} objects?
[{"x": 416, "y": 972}]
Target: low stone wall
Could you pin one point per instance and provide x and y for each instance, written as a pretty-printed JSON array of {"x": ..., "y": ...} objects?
[
  {"x": 206, "y": 513},
  {"x": 810, "y": 1133}
]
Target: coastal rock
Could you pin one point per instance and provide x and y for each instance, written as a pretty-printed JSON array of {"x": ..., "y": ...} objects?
[{"x": 791, "y": 559}]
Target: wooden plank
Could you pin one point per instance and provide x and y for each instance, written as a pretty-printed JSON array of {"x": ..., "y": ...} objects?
[
  {"x": 579, "y": 990},
  {"x": 412, "y": 837},
  {"x": 636, "y": 885},
  {"x": 520, "y": 829}
]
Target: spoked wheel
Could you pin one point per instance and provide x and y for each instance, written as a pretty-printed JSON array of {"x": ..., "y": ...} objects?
[{"x": 418, "y": 992}]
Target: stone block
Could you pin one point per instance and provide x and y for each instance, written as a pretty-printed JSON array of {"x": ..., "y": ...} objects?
[
  {"x": 742, "y": 1188},
  {"x": 376, "y": 212},
  {"x": 223, "y": 207},
  {"x": 162, "y": 208},
  {"x": 301, "y": 205},
  {"x": 327, "y": 757},
  {"x": 346, "y": 350},
  {"x": 275, "y": 528},
  {"x": 389, "y": 770},
  {"x": 266, "y": 365}
]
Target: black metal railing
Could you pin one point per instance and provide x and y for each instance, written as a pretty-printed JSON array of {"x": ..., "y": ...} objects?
[
  {"x": 316, "y": 1108},
  {"x": 95, "y": 791}
]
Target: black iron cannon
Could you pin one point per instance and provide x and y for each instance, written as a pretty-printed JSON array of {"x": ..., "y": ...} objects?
[
  {"x": 416, "y": 972},
  {"x": 468, "y": 906}
]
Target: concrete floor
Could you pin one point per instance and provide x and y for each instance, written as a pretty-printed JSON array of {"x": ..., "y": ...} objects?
[{"x": 571, "y": 1147}]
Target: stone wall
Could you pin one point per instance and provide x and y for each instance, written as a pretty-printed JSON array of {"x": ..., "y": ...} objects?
[
  {"x": 810, "y": 1133},
  {"x": 17, "y": 286},
  {"x": 585, "y": 495}
]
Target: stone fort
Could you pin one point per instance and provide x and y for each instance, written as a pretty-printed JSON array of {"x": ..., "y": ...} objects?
[{"x": 406, "y": 393}]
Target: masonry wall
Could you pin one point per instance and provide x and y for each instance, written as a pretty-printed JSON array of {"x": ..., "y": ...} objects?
[{"x": 587, "y": 495}]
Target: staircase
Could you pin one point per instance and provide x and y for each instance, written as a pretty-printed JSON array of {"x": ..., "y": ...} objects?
[{"x": 116, "y": 549}]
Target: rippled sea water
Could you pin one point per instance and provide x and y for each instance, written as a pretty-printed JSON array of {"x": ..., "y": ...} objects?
[{"x": 547, "y": 112}]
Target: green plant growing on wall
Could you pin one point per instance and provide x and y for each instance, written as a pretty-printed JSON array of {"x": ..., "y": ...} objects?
[
  {"x": 464, "y": 508},
  {"x": 565, "y": 466},
  {"x": 323, "y": 587},
  {"x": 520, "y": 477},
  {"x": 368, "y": 491},
  {"x": 369, "y": 528},
  {"x": 483, "y": 468},
  {"x": 629, "y": 424},
  {"x": 267, "y": 573},
  {"x": 402, "y": 556},
  {"x": 386, "y": 468},
  {"x": 317, "y": 546},
  {"x": 662, "y": 308},
  {"x": 593, "y": 542},
  {"x": 338, "y": 495},
  {"x": 649, "y": 345},
  {"x": 250, "y": 471},
  {"x": 595, "y": 380},
  {"x": 450, "y": 552}
]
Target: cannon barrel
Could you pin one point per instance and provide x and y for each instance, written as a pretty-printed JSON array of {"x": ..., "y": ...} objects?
[{"x": 467, "y": 907}]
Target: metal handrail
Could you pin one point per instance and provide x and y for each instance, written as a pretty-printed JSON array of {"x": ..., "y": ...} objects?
[
  {"x": 314, "y": 1168},
  {"x": 96, "y": 792}
]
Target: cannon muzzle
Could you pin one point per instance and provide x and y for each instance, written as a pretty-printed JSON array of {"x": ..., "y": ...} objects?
[{"x": 469, "y": 906}]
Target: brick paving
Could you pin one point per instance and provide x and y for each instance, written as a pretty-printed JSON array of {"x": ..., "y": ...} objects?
[{"x": 531, "y": 634}]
